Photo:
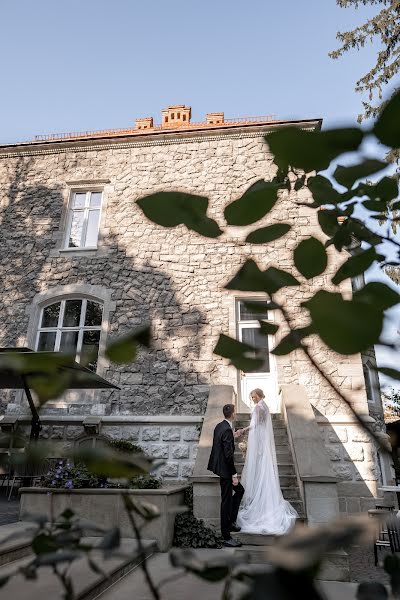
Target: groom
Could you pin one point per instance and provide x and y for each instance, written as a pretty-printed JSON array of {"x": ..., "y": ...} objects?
[{"x": 221, "y": 463}]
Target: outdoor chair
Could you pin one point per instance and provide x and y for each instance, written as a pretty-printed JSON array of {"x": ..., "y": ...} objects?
[
  {"x": 5, "y": 474},
  {"x": 392, "y": 531},
  {"x": 27, "y": 473}
]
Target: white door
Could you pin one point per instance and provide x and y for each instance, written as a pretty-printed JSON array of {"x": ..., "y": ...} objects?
[{"x": 265, "y": 377}]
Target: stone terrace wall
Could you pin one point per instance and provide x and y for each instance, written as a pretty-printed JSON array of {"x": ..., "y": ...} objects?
[{"x": 171, "y": 277}]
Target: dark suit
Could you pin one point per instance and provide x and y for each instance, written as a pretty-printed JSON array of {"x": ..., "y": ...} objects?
[{"x": 222, "y": 464}]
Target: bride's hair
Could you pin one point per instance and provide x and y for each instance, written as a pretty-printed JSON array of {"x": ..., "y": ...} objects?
[{"x": 258, "y": 393}]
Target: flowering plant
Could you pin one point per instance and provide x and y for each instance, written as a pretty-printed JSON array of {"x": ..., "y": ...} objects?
[
  {"x": 66, "y": 475},
  {"x": 243, "y": 447}
]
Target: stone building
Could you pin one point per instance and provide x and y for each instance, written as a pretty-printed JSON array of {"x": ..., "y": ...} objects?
[{"x": 80, "y": 265}]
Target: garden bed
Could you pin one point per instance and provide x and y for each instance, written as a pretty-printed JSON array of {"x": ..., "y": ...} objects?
[{"x": 105, "y": 508}]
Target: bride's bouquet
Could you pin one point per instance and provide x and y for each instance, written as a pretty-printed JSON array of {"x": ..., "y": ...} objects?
[{"x": 243, "y": 447}]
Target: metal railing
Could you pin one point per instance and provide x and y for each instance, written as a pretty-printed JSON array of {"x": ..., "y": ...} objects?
[{"x": 166, "y": 126}]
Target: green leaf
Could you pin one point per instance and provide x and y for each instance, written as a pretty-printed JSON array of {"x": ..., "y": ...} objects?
[
  {"x": 311, "y": 150},
  {"x": 44, "y": 543},
  {"x": 347, "y": 176},
  {"x": 48, "y": 387},
  {"x": 106, "y": 462},
  {"x": 323, "y": 191},
  {"x": 356, "y": 265},
  {"x": 67, "y": 514},
  {"x": 255, "y": 203},
  {"x": 111, "y": 539},
  {"x": 267, "y": 328},
  {"x": 292, "y": 341},
  {"x": 214, "y": 570},
  {"x": 300, "y": 182},
  {"x": 341, "y": 324},
  {"x": 145, "y": 509},
  {"x": 342, "y": 237},
  {"x": 170, "y": 209},
  {"x": 54, "y": 558},
  {"x": 310, "y": 257},
  {"x": 377, "y": 294},
  {"x": 389, "y": 372},
  {"x": 387, "y": 127},
  {"x": 260, "y": 306},
  {"x": 268, "y": 234},
  {"x": 363, "y": 233},
  {"x": 328, "y": 221},
  {"x": 239, "y": 354},
  {"x": 251, "y": 279},
  {"x": 125, "y": 348},
  {"x": 385, "y": 190}
]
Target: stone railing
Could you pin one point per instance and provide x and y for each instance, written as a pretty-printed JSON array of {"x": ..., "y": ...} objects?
[
  {"x": 316, "y": 477},
  {"x": 206, "y": 490}
]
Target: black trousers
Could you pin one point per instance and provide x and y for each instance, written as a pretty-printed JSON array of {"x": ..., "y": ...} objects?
[{"x": 231, "y": 496}]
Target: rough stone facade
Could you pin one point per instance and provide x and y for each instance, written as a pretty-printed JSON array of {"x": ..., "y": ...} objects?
[{"x": 171, "y": 277}]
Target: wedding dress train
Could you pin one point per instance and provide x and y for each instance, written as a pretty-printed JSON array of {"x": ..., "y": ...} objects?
[{"x": 263, "y": 508}]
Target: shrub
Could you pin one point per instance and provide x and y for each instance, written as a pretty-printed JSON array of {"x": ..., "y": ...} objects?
[
  {"x": 191, "y": 532},
  {"x": 145, "y": 482},
  {"x": 121, "y": 445},
  {"x": 140, "y": 482}
]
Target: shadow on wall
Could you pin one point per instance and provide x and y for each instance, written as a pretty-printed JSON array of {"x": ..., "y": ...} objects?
[{"x": 163, "y": 380}]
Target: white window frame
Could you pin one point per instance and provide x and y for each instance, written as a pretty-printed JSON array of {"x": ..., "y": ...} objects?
[
  {"x": 253, "y": 324},
  {"x": 81, "y": 327},
  {"x": 373, "y": 382},
  {"x": 86, "y": 210}
]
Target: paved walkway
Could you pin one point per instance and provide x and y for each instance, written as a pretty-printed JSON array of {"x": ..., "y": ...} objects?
[
  {"x": 362, "y": 567},
  {"x": 189, "y": 586},
  {"x": 9, "y": 511}
]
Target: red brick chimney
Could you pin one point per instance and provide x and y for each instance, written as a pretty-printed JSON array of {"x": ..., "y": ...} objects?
[{"x": 177, "y": 115}]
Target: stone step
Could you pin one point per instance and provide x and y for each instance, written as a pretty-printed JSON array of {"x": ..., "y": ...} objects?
[
  {"x": 247, "y": 417},
  {"x": 291, "y": 493},
  {"x": 87, "y": 584},
  {"x": 15, "y": 541},
  {"x": 286, "y": 468},
  {"x": 252, "y": 554},
  {"x": 254, "y": 539}
]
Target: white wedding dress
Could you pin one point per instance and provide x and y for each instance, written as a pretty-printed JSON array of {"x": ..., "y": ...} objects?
[{"x": 263, "y": 508}]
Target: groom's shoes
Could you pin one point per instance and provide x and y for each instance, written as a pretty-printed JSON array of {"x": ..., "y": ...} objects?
[
  {"x": 235, "y": 528},
  {"x": 231, "y": 543}
]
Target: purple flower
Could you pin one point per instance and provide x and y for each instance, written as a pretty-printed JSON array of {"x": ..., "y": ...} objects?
[
  {"x": 69, "y": 484},
  {"x": 53, "y": 482}
]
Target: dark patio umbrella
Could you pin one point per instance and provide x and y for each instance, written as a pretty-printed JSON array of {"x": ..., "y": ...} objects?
[{"x": 78, "y": 376}]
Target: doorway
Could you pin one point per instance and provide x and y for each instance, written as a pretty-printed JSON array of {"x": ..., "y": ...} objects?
[{"x": 248, "y": 332}]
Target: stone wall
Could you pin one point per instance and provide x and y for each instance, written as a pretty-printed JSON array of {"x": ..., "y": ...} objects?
[
  {"x": 173, "y": 443},
  {"x": 170, "y": 277}
]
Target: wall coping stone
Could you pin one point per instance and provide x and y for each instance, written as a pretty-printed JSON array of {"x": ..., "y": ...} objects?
[
  {"x": 165, "y": 137},
  {"x": 113, "y": 420},
  {"x": 168, "y": 490}
]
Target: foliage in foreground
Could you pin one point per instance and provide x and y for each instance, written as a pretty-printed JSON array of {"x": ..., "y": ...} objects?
[
  {"x": 384, "y": 26},
  {"x": 345, "y": 325}
]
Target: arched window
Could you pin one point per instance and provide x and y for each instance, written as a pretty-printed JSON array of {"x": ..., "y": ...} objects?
[
  {"x": 95, "y": 441},
  {"x": 72, "y": 325}
]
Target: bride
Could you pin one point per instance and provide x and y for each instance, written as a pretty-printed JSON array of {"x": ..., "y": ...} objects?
[{"x": 263, "y": 508}]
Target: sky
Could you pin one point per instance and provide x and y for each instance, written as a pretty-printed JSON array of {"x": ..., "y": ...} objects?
[{"x": 97, "y": 64}]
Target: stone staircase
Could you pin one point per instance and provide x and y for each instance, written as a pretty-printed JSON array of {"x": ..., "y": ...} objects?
[{"x": 254, "y": 544}]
